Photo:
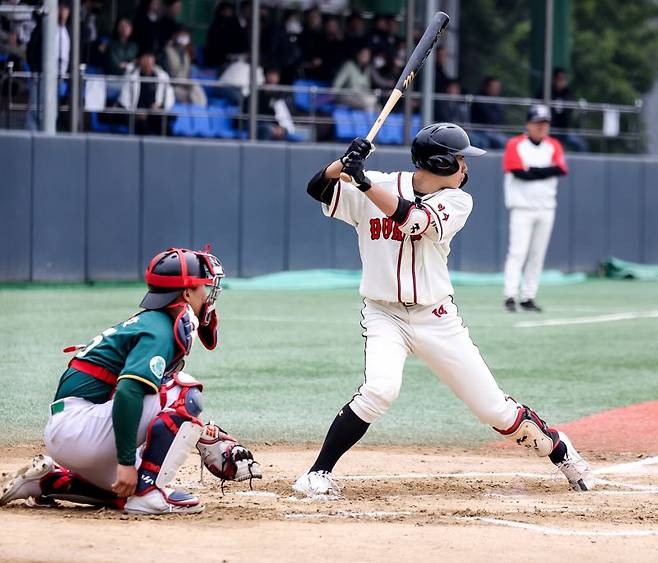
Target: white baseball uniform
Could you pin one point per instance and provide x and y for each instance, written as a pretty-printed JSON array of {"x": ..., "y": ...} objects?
[
  {"x": 532, "y": 206},
  {"x": 408, "y": 306}
]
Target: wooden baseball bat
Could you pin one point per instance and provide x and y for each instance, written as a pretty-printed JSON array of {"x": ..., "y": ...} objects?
[{"x": 418, "y": 57}]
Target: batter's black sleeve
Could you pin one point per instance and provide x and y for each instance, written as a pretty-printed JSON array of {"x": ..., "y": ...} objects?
[
  {"x": 400, "y": 214},
  {"x": 538, "y": 173},
  {"x": 321, "y": 188}
]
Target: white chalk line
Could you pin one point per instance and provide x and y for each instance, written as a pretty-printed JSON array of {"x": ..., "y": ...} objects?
[
  {"x": 625, "y": 468},
  {"x": 560, "y": 531},
  {"x": 463, "y": 475},
  {"x": 347, "y": 514},
  {"x": 589, "y": 320}
]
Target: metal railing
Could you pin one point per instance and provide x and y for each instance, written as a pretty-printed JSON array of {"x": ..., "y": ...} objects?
[{"x": 316, "y": 120}]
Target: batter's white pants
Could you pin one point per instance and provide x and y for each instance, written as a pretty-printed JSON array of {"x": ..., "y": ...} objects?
[
  {"x": 394, "y": 331},
  {"x": 81, "y": 437},
  {"x": 529, "y": 235}
]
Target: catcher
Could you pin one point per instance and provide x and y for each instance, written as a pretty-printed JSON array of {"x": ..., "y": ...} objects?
[{"x": 125, "y": 418}]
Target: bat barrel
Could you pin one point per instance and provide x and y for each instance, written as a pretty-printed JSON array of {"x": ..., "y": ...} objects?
[{"x": 434, "y": 30}]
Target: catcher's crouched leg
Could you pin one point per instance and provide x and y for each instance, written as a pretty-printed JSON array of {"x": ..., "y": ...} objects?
[
  {"x": 224, "y": 457},
  {"x": 171, "y": 438}
]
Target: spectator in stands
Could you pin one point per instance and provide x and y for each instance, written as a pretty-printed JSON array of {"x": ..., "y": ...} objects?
[
  {"x": 561, "y": 116},
  {"x": 332, "y": 49},
  {"x": 91, "y": 51},
  {"x": 355, "y": 35},
  {"x": 145, "y": 26},
  {"x": 226, "y": 39},
  {"x": 441, "y": 78},
  {"x": 235, "y": 81},
  {"x": 385, "y": 71},
  {"x": 177, "y": 64},
  {"x": 168, "y": 22},
  {"x": 35, "y": 60},
  {"x": 276, "y": 105},
  {"x": 382, "y": 38},
  {"x": 453, "y": 111},
  {"x": 151, "y": 95},
  {"x": 10, "y": 46},
  {"x": 492, "y": 114},
  {"x": 310, "y": 42},
  {"x": 355, "y": 75},
  {"x": 284, "y": 51},
  {"x": 121, "y": 52},
  {"x": 19, "y": 24}
]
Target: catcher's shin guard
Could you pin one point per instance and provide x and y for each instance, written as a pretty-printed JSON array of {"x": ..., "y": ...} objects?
[
  {"x": 530, "y": 431},
  {"x": 169, "y": 440}
]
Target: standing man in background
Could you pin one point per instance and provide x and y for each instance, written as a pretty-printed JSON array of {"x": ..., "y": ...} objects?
[{"x": 532, "y": 163}]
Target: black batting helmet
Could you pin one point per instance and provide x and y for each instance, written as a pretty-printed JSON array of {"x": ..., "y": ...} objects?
[
  {"x": 436, "y": 146},
  {"x": 171, "y": 272}
]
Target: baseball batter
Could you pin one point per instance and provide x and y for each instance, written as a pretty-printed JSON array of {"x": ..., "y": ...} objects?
[
  {"x": 405, "y": 222},
  {"x": 124, "y": 390},
  {"x": 532, "y": 164}
]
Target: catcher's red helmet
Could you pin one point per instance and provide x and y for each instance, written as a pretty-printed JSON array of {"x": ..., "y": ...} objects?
[{"x": 176, "y": 269}]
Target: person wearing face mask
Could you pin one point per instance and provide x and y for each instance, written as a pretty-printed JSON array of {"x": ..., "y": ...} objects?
[{"x": 177, "y": 62}]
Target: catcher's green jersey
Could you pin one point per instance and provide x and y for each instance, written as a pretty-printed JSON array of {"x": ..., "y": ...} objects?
[{"x": 141, "y": 348}]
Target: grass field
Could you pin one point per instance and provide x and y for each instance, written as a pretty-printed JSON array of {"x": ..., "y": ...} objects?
[{"x": 288, "y": 360}]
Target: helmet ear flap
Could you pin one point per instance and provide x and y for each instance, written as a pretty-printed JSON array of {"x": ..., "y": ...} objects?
[{"x": 442, "y": 164}]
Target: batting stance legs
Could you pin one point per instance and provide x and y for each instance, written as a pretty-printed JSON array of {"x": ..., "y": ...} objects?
[{"x": 437, "y": 336}]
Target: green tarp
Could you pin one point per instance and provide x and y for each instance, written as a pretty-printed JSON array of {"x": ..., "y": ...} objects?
[{"x": 621, "y": 270}]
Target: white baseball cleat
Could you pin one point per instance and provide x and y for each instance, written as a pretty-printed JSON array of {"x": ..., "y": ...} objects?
[
  {"x": 24, "y": 483},
  {"x": 163, "y": 501},
  {"x": 317, "y": 483},
  {"x": 575, "y": 468}
]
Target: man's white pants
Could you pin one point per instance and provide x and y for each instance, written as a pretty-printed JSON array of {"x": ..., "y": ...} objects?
[
  {"x": 529, "y": 235},
  {"x": 81, "y": 437},
  {"x": 394, "y": 331}
]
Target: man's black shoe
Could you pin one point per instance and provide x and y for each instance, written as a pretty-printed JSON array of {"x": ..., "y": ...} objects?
[
  {"x": 510, "y": 305},
  {"x": 530, "y": 305}
]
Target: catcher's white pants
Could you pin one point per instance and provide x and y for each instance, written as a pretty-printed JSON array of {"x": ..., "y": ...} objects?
[
  {"x": 439, "y": 338},
  {"x": 529, "y": 235},
  {"x": 81, "y": 437}
]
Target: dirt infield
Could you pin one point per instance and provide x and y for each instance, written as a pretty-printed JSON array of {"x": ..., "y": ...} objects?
[{"x": 411, "y": 503}]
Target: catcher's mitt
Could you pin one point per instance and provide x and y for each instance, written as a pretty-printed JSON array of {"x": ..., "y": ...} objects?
[{"x": 224, "y": 457}]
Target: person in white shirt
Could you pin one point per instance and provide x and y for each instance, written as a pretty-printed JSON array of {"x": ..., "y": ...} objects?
[
  {"x": 405, "y": 222},
  {"x": 532, "y": 164}
]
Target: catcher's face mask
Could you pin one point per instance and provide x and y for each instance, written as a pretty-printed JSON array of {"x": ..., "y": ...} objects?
[{"x": 214, "y": 272}]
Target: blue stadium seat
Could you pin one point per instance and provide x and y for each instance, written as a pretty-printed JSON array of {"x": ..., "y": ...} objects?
[
  {"x": 343, "y": 121},
  {"x": 303, "y": 98},
  {"x": 362, "y": 122},
  {"x": 182, "y": 126}
]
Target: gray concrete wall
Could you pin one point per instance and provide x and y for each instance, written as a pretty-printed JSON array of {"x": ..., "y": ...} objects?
[{"x": 98, "y": 207}]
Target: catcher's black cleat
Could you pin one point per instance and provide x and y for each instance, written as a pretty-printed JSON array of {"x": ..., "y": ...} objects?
[
  {"x": 510, "y": 305},
  {"x": 530, "y": 305}
]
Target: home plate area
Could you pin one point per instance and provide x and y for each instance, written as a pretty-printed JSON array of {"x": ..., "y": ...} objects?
[{"x": 453, "y": 504}]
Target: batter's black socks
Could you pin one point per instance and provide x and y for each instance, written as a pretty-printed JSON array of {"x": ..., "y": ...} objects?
[
  {"x": 559, "y": 453},
  {"x": 345, "y": 431}
]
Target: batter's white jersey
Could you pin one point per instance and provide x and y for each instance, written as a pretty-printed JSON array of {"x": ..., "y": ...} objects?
[{"x": 407, "y": 262}]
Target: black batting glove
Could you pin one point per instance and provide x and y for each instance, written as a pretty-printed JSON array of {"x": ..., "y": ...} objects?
[
  {"x": 361, "y": 146},
  {"x": 353, "y": 166}
]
